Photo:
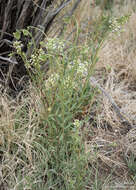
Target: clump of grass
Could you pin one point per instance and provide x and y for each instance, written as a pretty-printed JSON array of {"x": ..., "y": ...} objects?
[{"x": 47, "y": 150}]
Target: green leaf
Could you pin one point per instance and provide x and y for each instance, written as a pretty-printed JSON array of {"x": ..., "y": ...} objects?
[
  {"x": 25, "y": 32},
  {"x": 17, "y": 34},
  {"x": 43, "y": 57},
  {"x": 43, "y": 44}
]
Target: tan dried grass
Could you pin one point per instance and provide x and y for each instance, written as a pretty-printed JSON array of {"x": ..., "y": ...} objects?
[
  {"x": 120, "y": 75},
  {"x": 116, "y": 73}
]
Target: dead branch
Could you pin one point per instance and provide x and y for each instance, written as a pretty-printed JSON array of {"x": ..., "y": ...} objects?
[
  {"x": 123, "y": 116},
  {"x": 8, "y": 60}
]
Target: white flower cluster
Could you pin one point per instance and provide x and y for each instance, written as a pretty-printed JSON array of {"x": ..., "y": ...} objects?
[
  {"x": 76, "y": 130},
  {"x": 81, "y": 67},
  {"x": 18, "y": 45},
  {"x": 114, "y": 26},
  {"x": 41, "y": 53},
  {"x": 68, "y": 82},
  {"x": 33, "y": 58},
  {"x": 77, "y": 123},
  {"x": 37, "y": 57},
  {"x": 55, "y": 44},
  {"x": 52, "y": 80}
]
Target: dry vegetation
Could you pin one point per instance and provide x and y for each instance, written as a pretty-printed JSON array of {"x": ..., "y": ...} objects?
[
  {"x": 113, "y": 142},
  {"x": 109, "y": 140}
]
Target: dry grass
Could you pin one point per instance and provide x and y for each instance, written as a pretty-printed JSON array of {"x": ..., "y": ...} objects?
[{"x": 113, "y": 143}]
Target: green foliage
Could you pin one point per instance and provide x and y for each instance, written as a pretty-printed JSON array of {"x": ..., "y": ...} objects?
[
  {"x": 17, "y": 35},
  {"x": 50, "y": 143},
  {"x": 131, "y": 163},
  {"x": 58, "y": 147},
  {"x": 105, "y": 4},
  {"x": 107, "y": 24}
]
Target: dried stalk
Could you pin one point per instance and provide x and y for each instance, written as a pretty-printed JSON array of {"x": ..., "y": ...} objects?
[{"x": 123, "y": 116}]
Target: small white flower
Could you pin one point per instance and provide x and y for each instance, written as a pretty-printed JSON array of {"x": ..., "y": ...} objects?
[
  {"x": 77, "y": 123},
  {"x": 68, "y": 82},
  {"x": 52, "y": 80},
  {"x": 55, "y": 44},
  {"x": 81, "y": 69},
  {"x": 115, "y": 26},
  {"x": 37, "y": 57},
  {"x": 18, "y": 45}
]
